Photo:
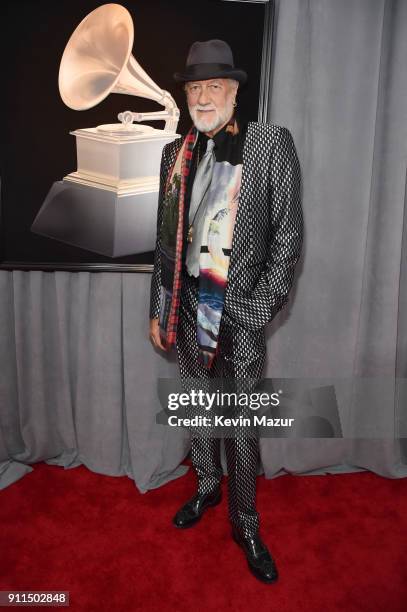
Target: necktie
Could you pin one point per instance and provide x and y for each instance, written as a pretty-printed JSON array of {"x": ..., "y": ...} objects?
[{"x": 200, "y": 189}]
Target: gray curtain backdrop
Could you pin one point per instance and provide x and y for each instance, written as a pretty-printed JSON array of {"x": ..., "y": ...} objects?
[{"x": 78, "y": 373}]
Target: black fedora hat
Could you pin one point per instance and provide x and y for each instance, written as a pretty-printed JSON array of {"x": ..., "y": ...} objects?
[{"x": 210, "y": 60}]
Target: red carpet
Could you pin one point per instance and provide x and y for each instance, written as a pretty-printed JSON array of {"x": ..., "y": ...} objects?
[{"x": 339, "y": 541}]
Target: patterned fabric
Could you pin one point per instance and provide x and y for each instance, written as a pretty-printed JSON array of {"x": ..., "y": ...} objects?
[
  {"x": 216, "y": 239},
  {"x": 241, "y": 358},
  {"x": 212, "y": 237},
  {"x": 268, "y": 231},
  {"x": 266, "y": 246},
  {"x": 171, "y": 239}
]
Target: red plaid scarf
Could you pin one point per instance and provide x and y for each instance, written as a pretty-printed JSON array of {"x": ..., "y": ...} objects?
[{"x": 171, "y": 250}]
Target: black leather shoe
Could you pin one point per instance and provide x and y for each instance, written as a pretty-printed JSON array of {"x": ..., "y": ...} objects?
[
  {"x": 192, "y": 511},
  {"x": 260, "y": 562}
]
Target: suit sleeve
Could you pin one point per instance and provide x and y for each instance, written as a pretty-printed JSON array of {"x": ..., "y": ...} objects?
[
  {"x": 156, "y": 275},
  {"x": 287, "y": 234},
  {"x": 270, "y": 293}
]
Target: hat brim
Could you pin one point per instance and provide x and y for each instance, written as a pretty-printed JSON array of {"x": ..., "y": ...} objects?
[{"x": 207, "y": 73}]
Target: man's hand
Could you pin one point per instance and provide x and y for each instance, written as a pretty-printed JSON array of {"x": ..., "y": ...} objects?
[{"x": 155, "y": 334}]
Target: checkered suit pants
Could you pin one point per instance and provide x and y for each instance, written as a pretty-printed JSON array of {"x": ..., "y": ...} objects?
[{"x": 239, "y": 364}]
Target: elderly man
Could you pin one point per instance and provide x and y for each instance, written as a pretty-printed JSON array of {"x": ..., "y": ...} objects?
[{"x": 229, "y": 234}]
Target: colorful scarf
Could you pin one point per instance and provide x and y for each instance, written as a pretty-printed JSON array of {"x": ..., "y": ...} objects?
[{"x": 221, "y": 207}]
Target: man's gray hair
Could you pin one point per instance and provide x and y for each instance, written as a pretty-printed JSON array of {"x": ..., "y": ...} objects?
[{"x": 234, "y": 81}]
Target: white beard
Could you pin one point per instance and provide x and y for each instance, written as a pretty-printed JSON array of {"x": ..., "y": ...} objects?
[{"x": 220, "y": 116}]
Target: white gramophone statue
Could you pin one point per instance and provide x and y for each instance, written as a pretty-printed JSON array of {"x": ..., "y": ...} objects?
[{"x": 109, "y": 205}]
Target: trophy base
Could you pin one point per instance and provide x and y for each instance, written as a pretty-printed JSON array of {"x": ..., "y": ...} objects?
[{"x": 98, "y": 219}]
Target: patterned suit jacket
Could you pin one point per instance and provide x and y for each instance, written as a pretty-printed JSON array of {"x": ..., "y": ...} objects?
[{"x": 268, "y": 230}]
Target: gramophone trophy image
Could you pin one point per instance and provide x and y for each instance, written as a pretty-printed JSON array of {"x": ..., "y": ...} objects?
[{"x": 109, "y": 205}]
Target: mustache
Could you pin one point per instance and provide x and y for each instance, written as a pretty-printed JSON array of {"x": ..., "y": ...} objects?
[{"x": 199, "y": 107}]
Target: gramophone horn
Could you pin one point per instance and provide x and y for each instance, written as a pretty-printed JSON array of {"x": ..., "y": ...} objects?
[{"x": 97, "y": 61}]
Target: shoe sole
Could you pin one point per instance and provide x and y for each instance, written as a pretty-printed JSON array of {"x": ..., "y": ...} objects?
[
  {"x": 194, "y": 522},
  {"x": 265, "y": 580}
]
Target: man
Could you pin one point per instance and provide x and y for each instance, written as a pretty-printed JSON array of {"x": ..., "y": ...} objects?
[{"x": 229, "y": 234}]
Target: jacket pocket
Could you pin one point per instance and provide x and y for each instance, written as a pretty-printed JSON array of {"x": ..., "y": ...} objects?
[{"x": 251, "y": 309}]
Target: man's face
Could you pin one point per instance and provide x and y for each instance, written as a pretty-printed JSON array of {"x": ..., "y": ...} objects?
[{"x": 210, "y": 102}]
